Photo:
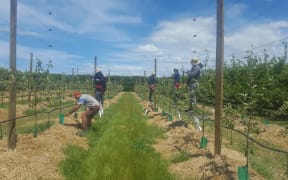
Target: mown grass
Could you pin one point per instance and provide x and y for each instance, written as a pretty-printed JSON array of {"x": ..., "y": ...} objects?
[
  {"x": 120, "y": 147},
  {"x": 4, "y": 105},
  {"x": 183, "y": 156}
]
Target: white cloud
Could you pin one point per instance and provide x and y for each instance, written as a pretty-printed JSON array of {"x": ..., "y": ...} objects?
[
  {"x": 81, "y": 17},
  {"x": 185, "y": 36},
  {"x": 150, "y": 49},
  {"x": 171, "y": 41},
  {"x": 266, "y": 36}
]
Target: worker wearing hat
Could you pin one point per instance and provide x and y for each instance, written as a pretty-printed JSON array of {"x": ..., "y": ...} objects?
[
  {"x": 151, "y": 82},
  {"x": 193, "y": 77},
  {"x": 176, "y": 85},
  {"x": 100, "y": 85},
  {"x": 92, "y": 107}
]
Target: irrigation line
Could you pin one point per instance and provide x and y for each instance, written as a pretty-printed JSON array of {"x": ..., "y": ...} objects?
[
  {"x": 26, "y": 95},
  {"x": 264, "y": 146},
  {"x": 20, "y": 117},
  {"x": 258, "y": 143}
]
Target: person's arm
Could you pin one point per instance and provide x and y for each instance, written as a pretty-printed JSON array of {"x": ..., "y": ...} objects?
[{"x": 75, "y": 108}]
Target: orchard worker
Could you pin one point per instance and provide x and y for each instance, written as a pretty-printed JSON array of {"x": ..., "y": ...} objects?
[
  {"x": 92, "y": 107},
  {"x": 176, "y": 85},
  {"x": 151, "y": 82},
  {"x": 192, "y": 82},
  {"x": 100, "y": 85}
]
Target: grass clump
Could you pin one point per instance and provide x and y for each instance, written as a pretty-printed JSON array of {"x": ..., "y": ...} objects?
[{"x": 183, "y": 156}]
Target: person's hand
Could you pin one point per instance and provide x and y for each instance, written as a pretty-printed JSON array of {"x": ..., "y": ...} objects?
[{"x": 67, "y": 114}]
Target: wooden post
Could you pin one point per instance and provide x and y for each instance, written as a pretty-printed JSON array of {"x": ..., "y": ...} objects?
[
  {"x": 12, "y": 87},
  {"x": 219, "y": 75},
  {"x": 30, "y": 78},
  {"x": 155, "y": 70}
]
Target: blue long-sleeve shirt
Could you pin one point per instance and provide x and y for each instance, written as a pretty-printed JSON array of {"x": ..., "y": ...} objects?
[
  {"x": 194, "y": 73},
  {"x": 99, "y": 78},
  {"x": 176, "y": 77},
  {"x": 152, "y": 80}
]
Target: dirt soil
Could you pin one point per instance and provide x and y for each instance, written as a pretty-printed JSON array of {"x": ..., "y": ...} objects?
[{"x": 39, "y": 158}]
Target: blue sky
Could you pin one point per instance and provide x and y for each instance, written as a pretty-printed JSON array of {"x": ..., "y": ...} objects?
[{"x": 127, "y": 35}]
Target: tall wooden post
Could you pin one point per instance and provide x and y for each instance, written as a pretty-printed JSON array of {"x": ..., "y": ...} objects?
[
  {"x": 155, "y": 70},
  {"x": 219, "y": 75},
  {"x": 30, "y": 78},
  {"x": 12, "y": 77}
]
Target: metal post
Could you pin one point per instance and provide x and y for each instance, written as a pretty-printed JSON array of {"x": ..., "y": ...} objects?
[
  {"x": 12, "y": 77},
  {"x": 219, "y": 75}
]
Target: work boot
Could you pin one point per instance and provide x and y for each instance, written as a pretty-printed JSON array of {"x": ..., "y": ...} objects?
[{"x": 81, "y": 133}]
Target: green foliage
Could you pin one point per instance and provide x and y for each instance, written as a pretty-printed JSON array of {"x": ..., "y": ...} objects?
[
  {"x": 263, "y": 80},
  {"x": 230, "y": 116},
  {"x": 128, "y": 83},
  {"x": 282, "y": 111},
  {"x": 33, "y": 111},
  {"x": 3, "y": 79}
]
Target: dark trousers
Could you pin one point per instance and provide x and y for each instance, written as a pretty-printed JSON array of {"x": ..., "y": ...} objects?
[
  {"x": 150, "y": 95},
  {"x": 99, "y": 95}
]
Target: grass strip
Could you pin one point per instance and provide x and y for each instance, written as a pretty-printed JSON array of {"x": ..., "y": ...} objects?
[{"x": 120, "y": 147}]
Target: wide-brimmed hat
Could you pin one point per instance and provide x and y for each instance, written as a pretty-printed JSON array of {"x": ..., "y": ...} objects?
[
  {"x": 97, "y": 69},
  {"x": 195, "y": 60}
]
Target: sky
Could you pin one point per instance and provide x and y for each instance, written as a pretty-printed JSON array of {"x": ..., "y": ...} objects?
[{"x": 126, "y": 36}]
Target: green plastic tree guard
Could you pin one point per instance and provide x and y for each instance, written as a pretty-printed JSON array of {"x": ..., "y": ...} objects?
[
  {"x": 243, "y": 173},
  {"x": 266, "y": 121},
  {"x": 35, "y": 132},
  {"x": 61, "y": 118},
  {"x": 203, "y": 143},
  {"x": 170, "y": 117},
  {"x": 163, "y": 113}
]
